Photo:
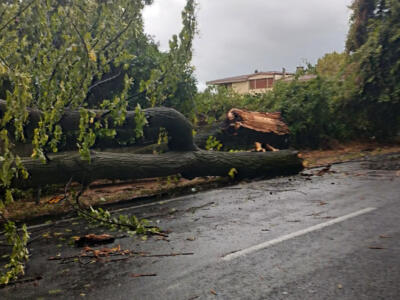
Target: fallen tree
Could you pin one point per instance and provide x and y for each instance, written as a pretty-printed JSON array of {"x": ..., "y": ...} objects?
[
  {"x": 67, "y": 166},
  {"x": 185, "y": 158}
]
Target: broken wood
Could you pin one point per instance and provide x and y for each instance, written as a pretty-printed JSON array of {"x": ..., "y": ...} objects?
[
  {"x": 270, "y": 148},
  {"x": 242, "y": 128},
  {"x": 124, "y": 166},
  {"x": 258, "y": 121},
  {"x": 258, "y": 147}
]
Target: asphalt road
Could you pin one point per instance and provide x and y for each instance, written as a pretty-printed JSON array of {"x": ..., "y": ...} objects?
[{"x": 334, "y": 236}]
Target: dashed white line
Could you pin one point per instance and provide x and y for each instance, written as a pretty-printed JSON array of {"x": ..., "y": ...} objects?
[{"x": 266, "y": 244}]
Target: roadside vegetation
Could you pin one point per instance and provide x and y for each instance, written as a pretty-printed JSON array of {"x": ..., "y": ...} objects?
[
  {"x": 356, "y": 94},
  {"x": 59, "y": 56}
]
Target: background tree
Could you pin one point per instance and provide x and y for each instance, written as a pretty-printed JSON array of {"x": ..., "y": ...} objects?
[
  {"x": 172, "y": 83},
  {"x": 377, "y": 71},
  {"x": 363, "y": 11},
  {"x": 331, "y": 64}
]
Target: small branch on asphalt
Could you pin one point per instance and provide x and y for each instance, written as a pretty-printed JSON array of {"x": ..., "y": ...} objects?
[
  {"x": 166, "y": 255},
  {"x": 143, "y": 275},
  {"x": 194, "y": 208},
  {"x": 25, "y": 280},
  {"x": 126, "y": 254}
]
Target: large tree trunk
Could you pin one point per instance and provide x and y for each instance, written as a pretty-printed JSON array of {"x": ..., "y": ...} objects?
[
  {"x": 65, "y": 166},
  {"x": 180, "y": 135}
]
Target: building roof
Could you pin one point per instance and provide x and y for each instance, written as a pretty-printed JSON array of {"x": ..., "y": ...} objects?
[{"x": 243, "y": 78}]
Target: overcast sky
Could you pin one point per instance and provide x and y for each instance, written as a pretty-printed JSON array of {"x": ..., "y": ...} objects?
[{"x": 237, "y": 37}]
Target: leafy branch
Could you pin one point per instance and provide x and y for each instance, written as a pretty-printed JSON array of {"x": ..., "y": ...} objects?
[
  {"x": 19, "y": 253},
  {"x": 103, "y": 218}
]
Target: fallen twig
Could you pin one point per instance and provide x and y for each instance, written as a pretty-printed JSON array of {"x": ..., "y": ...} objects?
[
  {"x": 325, "y": 170},
  {"x": 170, "y": 254},
  {"x": 99, "y": 254},
  {"x": 25, "y": 280},
  {"x": 382, "y": 236},
  {"x": 143, "y": 275},
  {"x": 160, "y": 234},
  {"x": 194, "y": 208}
]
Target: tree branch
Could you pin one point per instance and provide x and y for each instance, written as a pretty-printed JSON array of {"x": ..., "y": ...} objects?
[
  {"x": 100, "y": 82},
  {"x": 17, "y": 15}
]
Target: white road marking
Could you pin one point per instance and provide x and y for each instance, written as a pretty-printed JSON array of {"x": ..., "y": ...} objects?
[{"x": 266, "y": 244}]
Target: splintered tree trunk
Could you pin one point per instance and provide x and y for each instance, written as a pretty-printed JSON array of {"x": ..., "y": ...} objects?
[{"x": 65, "y": 166}]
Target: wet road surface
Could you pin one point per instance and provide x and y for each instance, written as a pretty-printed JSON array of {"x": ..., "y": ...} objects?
[{"x": 334, "y": 236}]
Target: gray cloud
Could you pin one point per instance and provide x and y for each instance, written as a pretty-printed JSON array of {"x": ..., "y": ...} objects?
[{"x": 236, "y": 37}]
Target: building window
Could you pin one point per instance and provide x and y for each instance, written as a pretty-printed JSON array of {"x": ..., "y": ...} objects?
[
  {"x": 261, "y": 83},
  {"x": 264, "y": 83},
  {"x": 270, "y": 83}
]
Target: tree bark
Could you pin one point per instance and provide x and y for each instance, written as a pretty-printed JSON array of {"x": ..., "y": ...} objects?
[
  {"x": 65, "y": 166},
  {"x": 180, "y": 135}
]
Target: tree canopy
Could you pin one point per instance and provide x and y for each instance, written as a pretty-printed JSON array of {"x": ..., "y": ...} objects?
[{"x": 375, "y": 59}]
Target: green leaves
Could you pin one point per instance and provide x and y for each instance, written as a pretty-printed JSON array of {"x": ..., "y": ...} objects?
[
  {"x": 19, "y": 253},
  {"x": 57, "y": 56},
  {"x": 130, "y": 224},
  {"x": 213, "y": 144},
  {"x": 171, "y": 83},
  {"x": 64, "y": 50},
  {"x": 140, "y": 121},
  {"x": 377, "y": 72},
  {"x": 52, "y": 55}
]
